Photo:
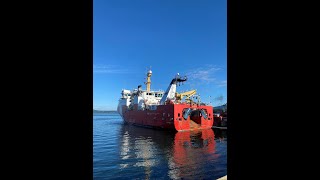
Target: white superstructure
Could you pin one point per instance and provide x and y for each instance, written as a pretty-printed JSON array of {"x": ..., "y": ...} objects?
[{"x": 147, "y": 99}]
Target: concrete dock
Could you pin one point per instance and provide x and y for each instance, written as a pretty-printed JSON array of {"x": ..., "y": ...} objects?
[
  {"x": 219, "y": 127},
  {"x": 223, "y": 178}
]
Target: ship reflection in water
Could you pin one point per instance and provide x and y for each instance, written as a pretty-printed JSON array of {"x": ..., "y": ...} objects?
[{"x": 157, "y": 154}]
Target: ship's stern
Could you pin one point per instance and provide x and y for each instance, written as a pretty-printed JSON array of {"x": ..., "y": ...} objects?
[{"x": 192, "y": 117}]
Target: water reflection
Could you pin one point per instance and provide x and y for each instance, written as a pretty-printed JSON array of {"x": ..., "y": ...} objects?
[
  {"x": 190, "y": 154},
  {"x": 142, "y": 147},
  {"x": 190, "y": 151},
  {"x": 220, "y": 134}
]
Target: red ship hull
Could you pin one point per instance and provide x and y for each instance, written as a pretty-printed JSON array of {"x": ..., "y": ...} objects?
[{"x": 170, "y": 116}]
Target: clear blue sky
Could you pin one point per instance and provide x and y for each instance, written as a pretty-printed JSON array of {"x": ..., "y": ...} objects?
[{"x": 172, "y": 36}]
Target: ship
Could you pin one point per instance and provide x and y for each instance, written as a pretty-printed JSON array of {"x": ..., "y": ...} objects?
[
  {"x": 168, "y": 109},
  {"x": 220, "y": 116}
]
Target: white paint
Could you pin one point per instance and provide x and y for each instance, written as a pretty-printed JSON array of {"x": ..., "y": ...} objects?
[{"x": 169, "y": 94}]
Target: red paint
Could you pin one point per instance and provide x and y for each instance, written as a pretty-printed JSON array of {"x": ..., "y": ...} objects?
[
  {"x": 167, "y": 117},
  {"x": 184, "y": 150}
]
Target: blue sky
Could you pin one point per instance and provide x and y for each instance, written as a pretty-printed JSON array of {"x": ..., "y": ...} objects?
[{"x": 188, "y": 37}]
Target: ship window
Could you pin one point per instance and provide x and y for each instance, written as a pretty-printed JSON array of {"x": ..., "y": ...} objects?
[
  {"x": 156, "y": 95},
  {"x": 178, "y": 114}
]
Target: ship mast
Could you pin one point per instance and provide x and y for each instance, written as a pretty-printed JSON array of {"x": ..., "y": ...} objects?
[{"x": 149, "y": 80}]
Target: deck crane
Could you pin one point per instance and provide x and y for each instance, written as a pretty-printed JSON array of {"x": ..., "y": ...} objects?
[{"x": 188, "y": 94}]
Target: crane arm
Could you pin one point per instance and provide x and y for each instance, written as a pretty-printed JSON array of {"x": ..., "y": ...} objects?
[
  {"x": 171, "y": 91},
  {"x": 179, "y": 96}
]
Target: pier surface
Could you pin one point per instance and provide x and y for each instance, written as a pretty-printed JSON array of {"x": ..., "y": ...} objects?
[
  {"x": 223, "y": 178},
  {"x": 218, "y": 127}
]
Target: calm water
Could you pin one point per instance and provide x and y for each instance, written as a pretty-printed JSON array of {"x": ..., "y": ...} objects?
[{"x": 122, "y": 151}]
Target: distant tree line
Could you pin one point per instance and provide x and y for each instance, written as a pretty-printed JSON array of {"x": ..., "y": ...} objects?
[{"x": 99, "y": 111}]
